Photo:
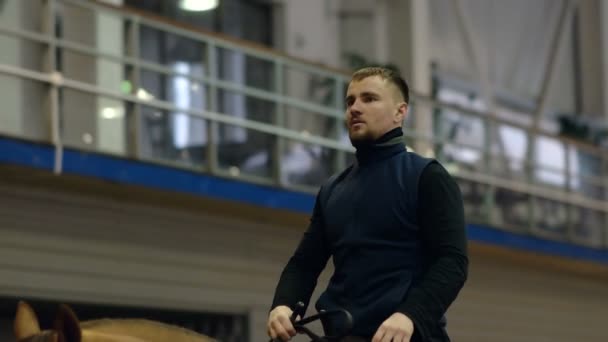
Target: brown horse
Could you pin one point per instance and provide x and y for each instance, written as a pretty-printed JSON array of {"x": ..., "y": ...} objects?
[{"x": 67, "y": 328}]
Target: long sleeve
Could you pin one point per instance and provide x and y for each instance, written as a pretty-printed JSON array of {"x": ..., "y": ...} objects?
[
  {"x": 299, "y": 277},
  {"x": 441, "y": 219}
]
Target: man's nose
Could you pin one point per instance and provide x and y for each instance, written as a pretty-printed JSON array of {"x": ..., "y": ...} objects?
[{"x": 355, "y": 108}]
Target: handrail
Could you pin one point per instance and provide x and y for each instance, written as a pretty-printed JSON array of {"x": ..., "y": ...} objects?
[{"x": 518, "y": 186}]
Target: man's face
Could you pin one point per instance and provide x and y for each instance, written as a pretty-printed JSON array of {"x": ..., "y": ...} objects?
[{"x": 373, "y": 107}]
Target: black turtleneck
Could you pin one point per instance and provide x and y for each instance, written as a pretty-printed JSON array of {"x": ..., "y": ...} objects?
[
  {"x": 442, "y": 236},
  {"x": 384, "y": 147}
]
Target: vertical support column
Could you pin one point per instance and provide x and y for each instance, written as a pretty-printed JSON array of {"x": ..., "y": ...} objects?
[
  {"x": 604, "y": 57},
  {"x": 409, "y": 34},
  {"x": 491, "y": 131},
  {"x": 557, "y": 44},
  {"x": 590, "y": 31},
  {"x": 10, "y": 88},
  {"x": 530, "y": 157},
  {"x": 340, "y": 158},
  {"x": 603, "y": 10},
  {"x": 110, "y": 115},
  {"x": 79, "y": 116},
  {"x": 133, "y": 109},
  {"x": 570, "y": 232},
  {"x": 316, "y": 41},
  {"x": 279, "y": 121},
  {"x": 605, "y": 214},
  {"x": 52, "y": 97},
  {"x": 480, "y": 63},
  {"x": 381, "y": 38},
  {"x": 212, "y": 126},
  {"x": 23, "y": 100}
]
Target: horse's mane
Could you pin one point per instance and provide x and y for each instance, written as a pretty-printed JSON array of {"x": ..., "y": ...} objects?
[{"x": 149, "y": 327}]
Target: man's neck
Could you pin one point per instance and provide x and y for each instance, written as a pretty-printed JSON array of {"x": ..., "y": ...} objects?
[{"x": 377, "y": 149}]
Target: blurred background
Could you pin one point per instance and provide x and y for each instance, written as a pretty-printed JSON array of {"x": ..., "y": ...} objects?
[{"x": 160, "y": 159}]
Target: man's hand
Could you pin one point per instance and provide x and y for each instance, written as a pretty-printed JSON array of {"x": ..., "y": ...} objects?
[
  {"x": 397, "y": 328},
  {"x": 279, "y": 323}
]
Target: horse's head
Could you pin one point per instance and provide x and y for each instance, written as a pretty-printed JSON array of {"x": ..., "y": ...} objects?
[{"x": 66, "y": 327}]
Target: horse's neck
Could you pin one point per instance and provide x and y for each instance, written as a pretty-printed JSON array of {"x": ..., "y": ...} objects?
[{"x": 138, "y": 330}]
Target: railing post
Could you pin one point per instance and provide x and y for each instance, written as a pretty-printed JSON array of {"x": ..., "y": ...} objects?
[
  {"x": 279, "y": 121},
  {"x": 489, "y": 137},
  {"x": 340, "y": 158},
  {"x": 530, "y": 156},
  {"x": 570, "y": 230},
  {"x": 212, "y": 126},
  {"x": 604, "y": 172},
  {"x": 133, "y": 117},
  {"x": 50, "y": 67}
]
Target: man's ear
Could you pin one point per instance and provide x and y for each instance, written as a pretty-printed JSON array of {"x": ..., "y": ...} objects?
[
  {"x": 67, "y": 325},
  {"x": 26, "y": 323},
  {"x": 401, "y": 112}
]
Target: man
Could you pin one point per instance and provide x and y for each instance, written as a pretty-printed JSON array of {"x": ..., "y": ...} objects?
[{"x": 393, "y": 223}]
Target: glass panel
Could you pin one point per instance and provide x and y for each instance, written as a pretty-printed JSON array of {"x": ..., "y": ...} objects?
[
  {"x": 110, "y": 75},
  {"x": 252, "y": 108},
  {"x": 22, "y": 53},
  {"x": 180, "y": 90},
  {"x": 78, "y": 115},
  {"x": 177, "y": 137},
  {"x": 24, "y": 108},
  {"x": 77, "y": 66},
  {"x": 111, "y": 126},
  {"x": 306, "y": 164},
  {"x": 550, "y": 218},
  {"x": 508, "y": 168},
  {"x": 463, "y": 133},
  {"x": 152, "y": 85},
  {"x": 245, "y": 151},
  {"x": 172, "y": 50},
  {"x": 310, "y": 87},
  {"x": 586, "y": 173},
  {"x": 474, "y": 196},
  {"x": 311, "y": 123},
  {"x": 511, "y": 210},
  {"x": 25, "y": 15},
  {"x": 590, "y": 187},
  {"x": 91, "y": 122},
  {"x": 77, "y": 25},
  {"x": 508, "y": 152},
  {"x": 246, "y": 70},
  {"x": 465, "y": 136},
  {"x": 427, "y": 145},
  {"x": 588, "y": 226},
  {"x": 349, "y": 157},
  {"x": 151, "y": 43},
  {"x": 549, "y": 161},
  {"x": 584, "y": 163},
  {"x": 112, "y": 40}
]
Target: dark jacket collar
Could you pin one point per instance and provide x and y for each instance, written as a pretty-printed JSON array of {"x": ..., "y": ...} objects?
[{"x": 385, "y": 146}]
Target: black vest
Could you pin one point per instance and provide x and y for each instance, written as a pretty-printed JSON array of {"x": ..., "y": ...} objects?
[{"x": 372, "y": 231}]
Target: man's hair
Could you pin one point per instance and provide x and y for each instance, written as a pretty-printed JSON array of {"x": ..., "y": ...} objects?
[{"x": 387, "y": 74}]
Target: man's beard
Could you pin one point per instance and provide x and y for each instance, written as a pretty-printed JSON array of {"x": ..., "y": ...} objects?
[{"x": 361, "y": 140}]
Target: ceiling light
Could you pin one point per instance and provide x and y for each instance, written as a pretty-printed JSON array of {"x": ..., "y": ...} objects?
[{"x": 198, "y": 5}]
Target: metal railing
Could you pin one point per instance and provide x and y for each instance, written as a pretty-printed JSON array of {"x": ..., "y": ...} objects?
[{"x": 211, "y": 113}]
